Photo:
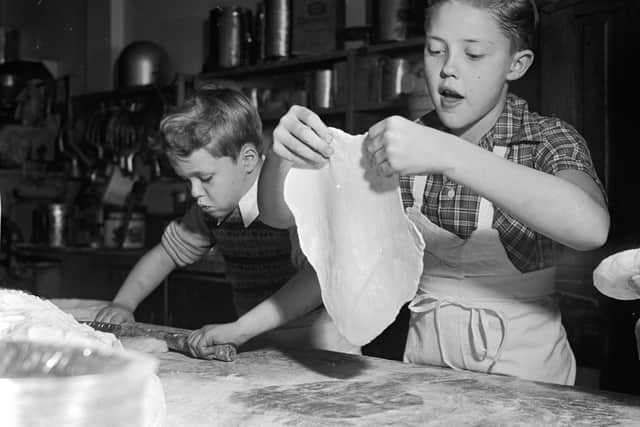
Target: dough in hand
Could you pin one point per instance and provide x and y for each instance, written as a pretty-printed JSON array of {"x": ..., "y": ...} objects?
[
  {"x": 144, "y": 344},
  {"x": 613, "y": 276},
  {"x": 353, "y": 229}
]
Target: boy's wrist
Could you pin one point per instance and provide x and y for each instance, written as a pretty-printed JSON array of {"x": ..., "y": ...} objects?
[
  {"x": 244, "y": 330},
  {"x": 282, "y": 163},
  {"x": 453, "y": 156},
  {"x": 126, "y": 305}
]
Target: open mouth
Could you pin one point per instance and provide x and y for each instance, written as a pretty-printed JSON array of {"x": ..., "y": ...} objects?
[{"x": 450, "y": 93}]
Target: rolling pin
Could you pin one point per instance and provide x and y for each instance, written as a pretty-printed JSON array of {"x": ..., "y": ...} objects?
[{"x": 175, "y": 338}]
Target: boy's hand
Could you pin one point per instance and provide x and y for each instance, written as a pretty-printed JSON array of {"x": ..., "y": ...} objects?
[
  {"x": 302, "y": 138},
  {"x": 201, "y": 341},
  {"x": 115, "y": 313},
  {"x": 398, "y": 145}
]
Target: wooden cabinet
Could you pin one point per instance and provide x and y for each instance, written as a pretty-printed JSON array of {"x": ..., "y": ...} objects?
[{"x": 588, "y": 79}]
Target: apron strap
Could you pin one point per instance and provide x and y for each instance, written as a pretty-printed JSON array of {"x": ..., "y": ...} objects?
[
  {"x": 425, "y": 302},
  {"x": 417, "y": 190},
  {"x": 485, "y": 211}
]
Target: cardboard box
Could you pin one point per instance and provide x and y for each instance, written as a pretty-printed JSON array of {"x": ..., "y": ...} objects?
[{"x": 317, "y": 26}]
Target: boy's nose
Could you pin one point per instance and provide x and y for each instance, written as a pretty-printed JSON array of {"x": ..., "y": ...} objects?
[
  {"x": 196, "y": 189},
  {"x": 449, "y": 68}
]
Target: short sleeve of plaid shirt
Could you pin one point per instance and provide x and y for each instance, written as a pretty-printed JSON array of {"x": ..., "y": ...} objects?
[{"x": 543, "y": 143}]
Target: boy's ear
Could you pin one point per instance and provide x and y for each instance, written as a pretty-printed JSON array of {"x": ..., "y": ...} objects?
[
  {"x": 249, "y": 157},
  {"x": 522, "y": 60}
]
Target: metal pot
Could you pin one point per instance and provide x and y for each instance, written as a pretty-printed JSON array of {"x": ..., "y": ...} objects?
[{"x": 142, "y": 63}]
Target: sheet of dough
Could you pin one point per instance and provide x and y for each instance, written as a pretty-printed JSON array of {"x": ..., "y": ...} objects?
[
  {"x": 354, "y": 232},
  {"x": 612, "y": 275}
]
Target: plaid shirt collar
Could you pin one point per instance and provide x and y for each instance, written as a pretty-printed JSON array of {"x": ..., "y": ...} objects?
[{"x": 514, "y": 125}]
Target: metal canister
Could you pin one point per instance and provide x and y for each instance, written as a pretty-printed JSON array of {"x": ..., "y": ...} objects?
[
  {"x": 9, "y": 44},
  {"x": 277, "y": 16},
  {"x": 393, "y": 71},
  {"x": 322, "y": 88},
  {"x": 230, "y": 38},
  {"x": 57, "y": 220},
  {"x": 228, "y": 43},
  {"x": 393, "y": 17}
]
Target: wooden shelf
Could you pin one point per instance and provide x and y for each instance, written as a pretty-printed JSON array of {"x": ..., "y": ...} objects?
[
  {"x": 278, "y": 65},
  {"x": 393, "y": 47}
]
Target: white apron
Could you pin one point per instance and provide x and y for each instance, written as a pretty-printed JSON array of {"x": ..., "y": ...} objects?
[{"x": 474, "y": 310}]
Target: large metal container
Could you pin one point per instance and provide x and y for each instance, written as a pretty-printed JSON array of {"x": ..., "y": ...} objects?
[
  {"x": 323, "y": 88},
  {"x": 230, "y": 42},
  {"x": 277, "y": 28},
  {"x": 392, "y": 18},
  {"x": 142, "y": 63},
  {"x": 393, "y": 71},
  {"x": 55, "y": 385}
]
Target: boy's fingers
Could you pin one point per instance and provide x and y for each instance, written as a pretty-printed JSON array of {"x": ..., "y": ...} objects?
[
  {"x": 305, "y": 135},
  {"x": 380, "y": 156},
  {"x": 312, "y": 120},
  {"x": 192, "y": 341},
  {"x": 377, "y": 129},
  {"x": 374, "y": 142},
  {"x": 385, "y": 168},
  {"x": 292, "y": 149}
]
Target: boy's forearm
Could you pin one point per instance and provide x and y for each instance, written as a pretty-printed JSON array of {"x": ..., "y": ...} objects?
[
  {"x": 273, "y": 209},
  {"x": 145, "y": 276},
  {"x": 300, "y": 295},
  {"x": 540, "y": 200}
]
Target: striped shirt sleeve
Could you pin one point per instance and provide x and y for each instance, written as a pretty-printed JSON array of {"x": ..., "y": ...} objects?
[{"x": 188, "y": 239}]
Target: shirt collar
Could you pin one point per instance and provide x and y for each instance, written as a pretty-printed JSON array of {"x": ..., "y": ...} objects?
[
  {"x": 513, "y": 124},
  {"x": 248, "y": 204}
]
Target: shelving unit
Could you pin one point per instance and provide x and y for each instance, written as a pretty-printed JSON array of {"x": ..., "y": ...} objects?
[{"x": 352, "y": 114}]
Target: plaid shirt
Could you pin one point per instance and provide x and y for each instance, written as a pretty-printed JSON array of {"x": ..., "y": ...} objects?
[{"x": 543, "y": 143}]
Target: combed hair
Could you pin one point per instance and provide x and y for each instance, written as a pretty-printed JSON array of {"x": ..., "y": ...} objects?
[
  {"x": 517, "y": 18},
  {"x": 220, "y": 120}
]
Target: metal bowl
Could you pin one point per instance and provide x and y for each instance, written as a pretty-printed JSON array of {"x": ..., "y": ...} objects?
[{"x": 57, "y": 385}]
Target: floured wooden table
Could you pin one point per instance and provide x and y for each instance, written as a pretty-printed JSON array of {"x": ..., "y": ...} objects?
[
  {"x": 271, "y": 387},
  {"x": 277, "y": 387}
]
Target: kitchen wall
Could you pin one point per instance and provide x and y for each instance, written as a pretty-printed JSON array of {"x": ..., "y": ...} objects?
[
  {"x": 52, "y": 30},
  {"x": 84, "y": 37}
]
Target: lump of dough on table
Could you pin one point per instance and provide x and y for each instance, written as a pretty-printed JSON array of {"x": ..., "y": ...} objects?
[
  {"x": 353, "y": 229},
  {"x": 26, "y": 316},
  {"x": 144, "y": 344}
]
